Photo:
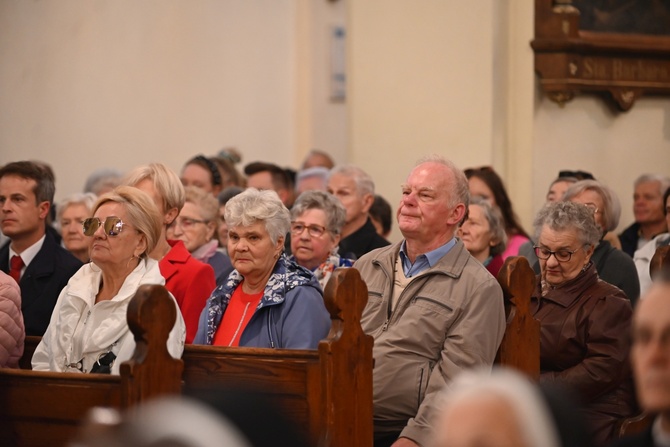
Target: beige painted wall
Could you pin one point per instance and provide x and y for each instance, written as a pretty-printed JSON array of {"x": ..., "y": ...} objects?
[
  {"x": 90, "y": 83},
  {"x": 417, "y": 86},
  {"x": 428, "y": 79}
]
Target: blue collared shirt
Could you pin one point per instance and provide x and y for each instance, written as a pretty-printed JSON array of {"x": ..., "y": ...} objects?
[{"x": 425, "y": 261}]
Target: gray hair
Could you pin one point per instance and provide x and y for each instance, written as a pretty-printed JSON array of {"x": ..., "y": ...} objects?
[
  {"x": 612, "y": 207},
  {"x": 103, "y": 179},
  {"x": 253, "y": 206},
  {"x": 364, "y": 183},
  {"x": 532, "y": 412},
  {"x": 319, "y": 172},
  {"x": 560, "y": 216},
  {"x": 664, "y": 181},
  {"x": 324, "y": 201},
  {"x": 461, "y": 191},
  {"x": 496, "y": 224},
  {"x": 80, "y": 198}
]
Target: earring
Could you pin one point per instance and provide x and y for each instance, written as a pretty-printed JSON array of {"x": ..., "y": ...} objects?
[{"x": 131, "y": 258}]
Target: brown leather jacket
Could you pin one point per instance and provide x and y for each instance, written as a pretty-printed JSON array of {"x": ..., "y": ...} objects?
[{"x": 584, "y": 345}]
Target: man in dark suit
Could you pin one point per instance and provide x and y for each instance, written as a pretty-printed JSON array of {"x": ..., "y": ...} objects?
[
  {"x": 32, "y": 256},
  {"x": 650, "y": 357}
]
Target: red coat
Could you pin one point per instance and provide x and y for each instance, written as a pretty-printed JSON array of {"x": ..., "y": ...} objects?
[{"x": 190, "y": 281}]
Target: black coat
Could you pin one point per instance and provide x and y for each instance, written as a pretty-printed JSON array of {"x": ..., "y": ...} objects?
[
  {"x": 42, "y": 282},
  {"x": 361, "y": 241}
]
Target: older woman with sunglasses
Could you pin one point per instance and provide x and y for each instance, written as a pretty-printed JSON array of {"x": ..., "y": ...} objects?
[
  {"x": 88, "y": 331},
  {"x": 317, "y": 218},
  {"x": 584, "y": 321},
  {"x": 268, "y": 301}
]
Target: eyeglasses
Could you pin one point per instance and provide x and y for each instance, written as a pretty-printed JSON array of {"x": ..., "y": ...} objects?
[
  {"x": 592, "y": 207},
  {"x": 314, "y": 230},
  {"x": 113, "y": 225},
  {"x": 187, "y": 223},
  {"x": 561, "y": 255}
]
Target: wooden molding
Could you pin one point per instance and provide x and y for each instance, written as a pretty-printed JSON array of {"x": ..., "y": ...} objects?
[{"x": 620, "y": 66}]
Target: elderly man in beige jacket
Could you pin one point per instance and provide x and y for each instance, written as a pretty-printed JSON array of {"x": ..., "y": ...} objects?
[{"x": 433, "y": 310}]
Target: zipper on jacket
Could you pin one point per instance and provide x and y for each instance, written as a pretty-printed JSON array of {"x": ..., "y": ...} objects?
[
  {"x": 418, "y": 403},
  {"x": 272, "y": 343}
]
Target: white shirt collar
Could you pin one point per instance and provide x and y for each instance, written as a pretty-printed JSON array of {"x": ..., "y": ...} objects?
[{"x": 29, "y": 253}]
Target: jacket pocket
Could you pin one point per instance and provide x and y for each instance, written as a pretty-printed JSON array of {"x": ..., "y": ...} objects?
[
  {"x": 422, "y": 385},
  {"x": 432, "y": 303}
]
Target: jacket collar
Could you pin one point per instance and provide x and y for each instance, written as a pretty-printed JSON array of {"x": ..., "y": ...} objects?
[
  {"x": 285, "y": 276},
  {"x": 567, "y": 293},
  {"x": 86, "y": 282},
  {"x": 452, "y": 264}
]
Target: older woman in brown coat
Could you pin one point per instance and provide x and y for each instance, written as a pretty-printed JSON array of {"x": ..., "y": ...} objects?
[{"x": 584, "y": 321}]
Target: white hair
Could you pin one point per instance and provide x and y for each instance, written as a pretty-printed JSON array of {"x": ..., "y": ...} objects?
[{"x": 535, "y": 421}]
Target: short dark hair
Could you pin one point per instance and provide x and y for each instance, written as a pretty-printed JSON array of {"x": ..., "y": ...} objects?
[
  {"x": 210, "y": 166},
  {"x": 45, "y": 187},
  {"x": 381, "y": 211},
  {"x": 280, "y": 178},
  {"x": 579, "y": 175},
  {"x": 665, "y": 200},
  {"x": 491, "y": 178}
]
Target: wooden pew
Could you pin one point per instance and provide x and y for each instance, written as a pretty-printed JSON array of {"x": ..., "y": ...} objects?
[
  {"x": 520, "y": 347},
  {"x": 29, "y": 346},
  {"x": 44, "y": 408},
  {"x": 326, "y": 392}
]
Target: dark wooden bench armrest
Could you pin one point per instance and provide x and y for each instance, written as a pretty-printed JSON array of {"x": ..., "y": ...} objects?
[{"x": 520, "y": 347}]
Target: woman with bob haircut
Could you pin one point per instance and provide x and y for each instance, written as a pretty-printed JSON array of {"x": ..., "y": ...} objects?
[
  {"x": 268, "y": 300},
  {"x": 88, "y": 331},
  {"x": 483, "y": 234},
  {"x": 317, "y": 218},
  {"x": 584, "y": 321},
  {"x": 613, "y": 266}
]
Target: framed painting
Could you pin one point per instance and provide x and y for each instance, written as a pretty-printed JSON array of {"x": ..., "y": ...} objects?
[{"x": 616, "y": 48}]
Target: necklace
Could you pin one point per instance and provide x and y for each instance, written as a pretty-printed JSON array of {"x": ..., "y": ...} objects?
[{"x": 244, "y": 314}]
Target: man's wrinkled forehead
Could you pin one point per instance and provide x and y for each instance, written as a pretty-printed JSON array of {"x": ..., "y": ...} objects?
[{"x": 430, "y": 175}]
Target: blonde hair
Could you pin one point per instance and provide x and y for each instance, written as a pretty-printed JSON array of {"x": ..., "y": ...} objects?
[{"x": 142, "y": 213}]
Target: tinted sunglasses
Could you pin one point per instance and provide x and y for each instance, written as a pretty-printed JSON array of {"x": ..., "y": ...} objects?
[{"x": 112, "y": 225}]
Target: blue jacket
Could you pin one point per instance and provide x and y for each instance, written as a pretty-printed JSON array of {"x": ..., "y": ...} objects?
[{"x": 291, "y": 313}]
